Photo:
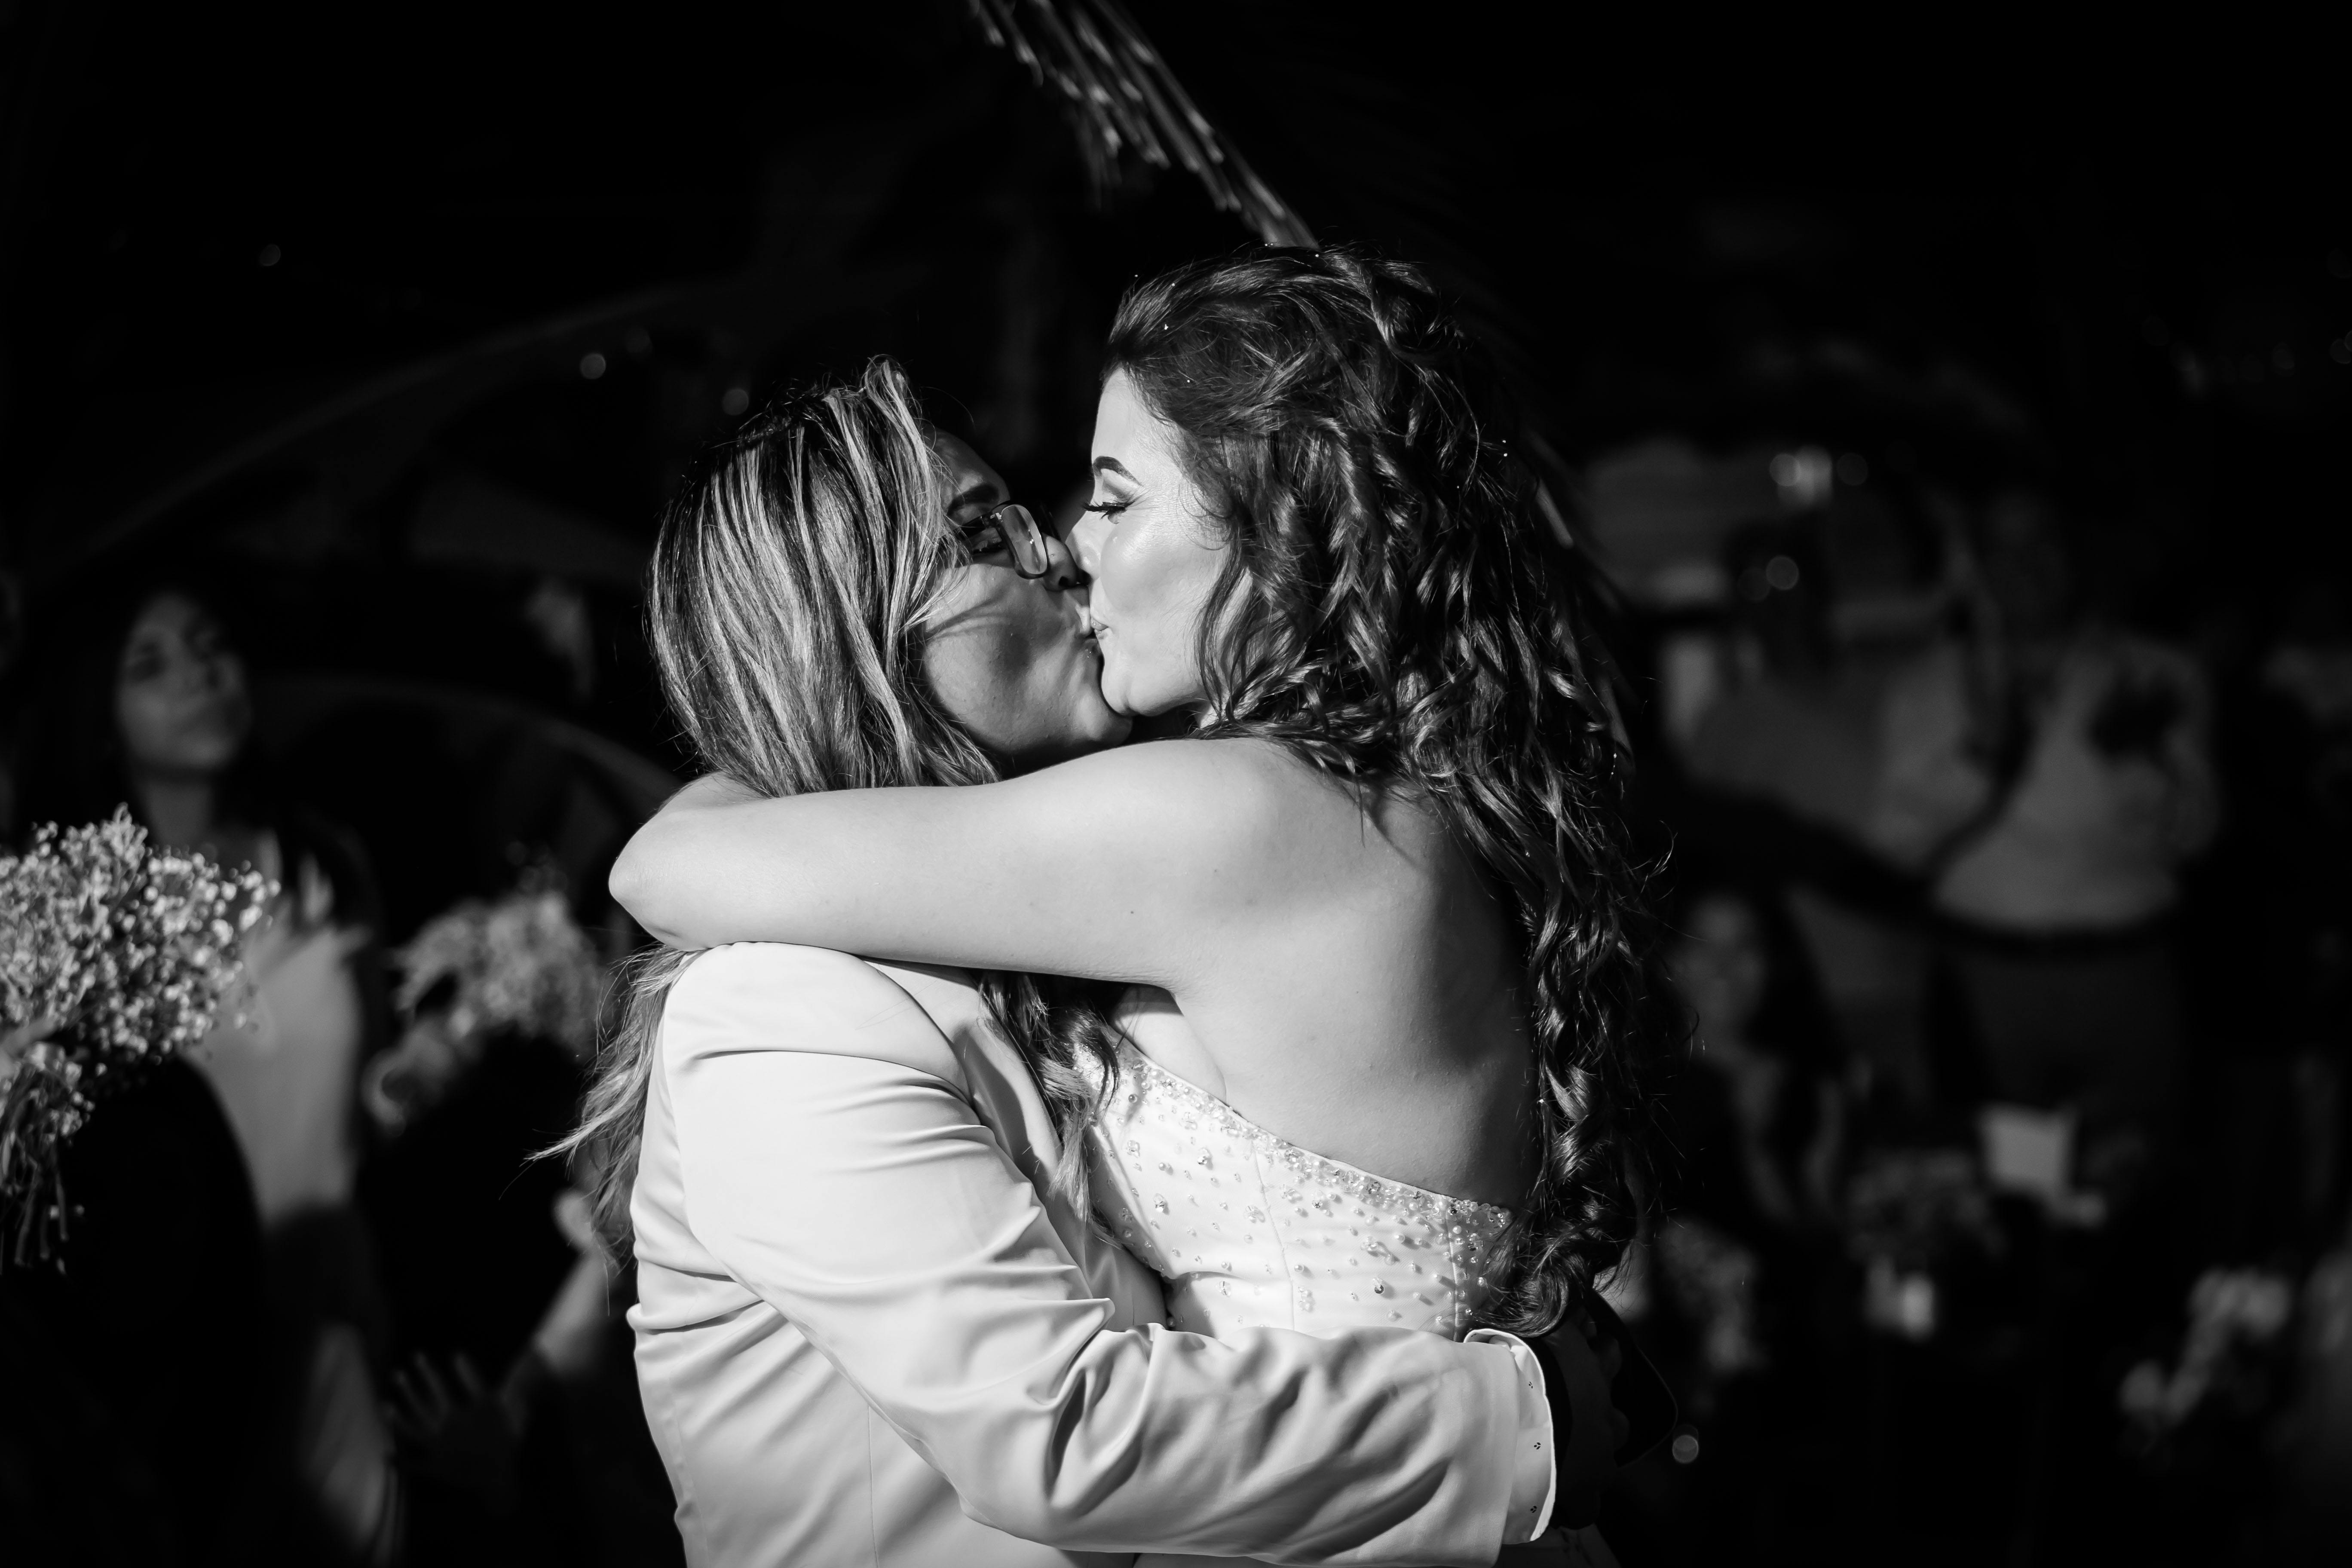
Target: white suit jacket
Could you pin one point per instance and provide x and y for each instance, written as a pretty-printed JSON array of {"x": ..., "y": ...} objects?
[{"x": 867, "y": 1334}]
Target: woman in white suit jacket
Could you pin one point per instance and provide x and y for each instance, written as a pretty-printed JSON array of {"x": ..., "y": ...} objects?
[{"x": 873, "y": 1327}]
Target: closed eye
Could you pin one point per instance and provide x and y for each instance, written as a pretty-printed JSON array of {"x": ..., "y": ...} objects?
[
  {"x": 984, "y": 540},
  {"x": 1108, "y": 508}
]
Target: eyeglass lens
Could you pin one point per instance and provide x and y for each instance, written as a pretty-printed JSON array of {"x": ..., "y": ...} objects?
[{"x": 1024, "y": 539}]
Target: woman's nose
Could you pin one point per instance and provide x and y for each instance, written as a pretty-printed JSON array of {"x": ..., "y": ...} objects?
[
  {"x": 189, "y": 673},
  {"x": 1062, "y": 567},
  {"x": 1084, "y": 542}
]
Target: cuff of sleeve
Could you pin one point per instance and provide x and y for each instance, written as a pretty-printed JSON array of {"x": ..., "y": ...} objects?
[{"x": 1534, "y": 1472}]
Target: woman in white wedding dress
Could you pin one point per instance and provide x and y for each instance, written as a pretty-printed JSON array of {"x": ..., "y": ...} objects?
[
  {"x": 871, "y": 1328},
  {"x": 1381, "y": 1058}
]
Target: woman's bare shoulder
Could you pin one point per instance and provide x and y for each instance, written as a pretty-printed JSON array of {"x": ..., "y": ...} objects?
[{"x": 1244, "y": 774}]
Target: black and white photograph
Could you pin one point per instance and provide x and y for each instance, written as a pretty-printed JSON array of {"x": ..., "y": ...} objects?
[{"x": 1104, "y": 783}]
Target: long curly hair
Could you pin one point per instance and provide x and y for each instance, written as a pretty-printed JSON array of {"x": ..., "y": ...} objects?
[{"x": 1390, "y": 611}]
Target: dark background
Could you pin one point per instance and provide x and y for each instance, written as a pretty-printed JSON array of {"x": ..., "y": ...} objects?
[
  {"x": 2090, "y": 258},
  {"x": 407, "y": 319}
]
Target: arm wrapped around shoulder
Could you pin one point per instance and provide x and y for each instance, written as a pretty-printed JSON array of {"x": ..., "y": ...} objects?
[{"x": 833, "y": 1164}]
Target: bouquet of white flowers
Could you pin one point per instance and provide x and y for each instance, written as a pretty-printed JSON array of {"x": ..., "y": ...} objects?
[
  {"x": 514, "y": 966},
  {"x": 114, "y": 956}
]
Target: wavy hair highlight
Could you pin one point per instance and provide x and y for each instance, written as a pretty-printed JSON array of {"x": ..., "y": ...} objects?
[
  {"x": 797, "y": 571},
  {"x": 1390, "y": 612}
]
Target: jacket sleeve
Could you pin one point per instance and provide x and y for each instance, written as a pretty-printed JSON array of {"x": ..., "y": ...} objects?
[{"x": 834, "y": 1165}]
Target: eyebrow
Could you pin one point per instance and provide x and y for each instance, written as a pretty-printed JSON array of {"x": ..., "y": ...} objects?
[
  {"x": 974, "y": 493},
  {"x": 1113, "y": 466}
]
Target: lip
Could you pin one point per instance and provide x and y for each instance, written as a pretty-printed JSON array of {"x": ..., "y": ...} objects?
[{"x": 208, "y": 710}]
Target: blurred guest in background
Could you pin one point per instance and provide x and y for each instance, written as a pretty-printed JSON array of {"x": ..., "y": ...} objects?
[
  {"x": 1784, "y": 768},
  {"x": 135, "y": 1360},
  {"x": 154, "y": 712},
  {"x": 1732, "y": 1272},
  {"x": 149, "y": 706},
  {"x": 1760, "y": 1120},
  {"x": 490, "y": 1261},
  {"x": 2047, "y": 775},
  {"x": 1795, "y": 728}
]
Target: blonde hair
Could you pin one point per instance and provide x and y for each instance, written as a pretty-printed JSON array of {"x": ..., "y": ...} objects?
[{"x": 797, "y": 571}]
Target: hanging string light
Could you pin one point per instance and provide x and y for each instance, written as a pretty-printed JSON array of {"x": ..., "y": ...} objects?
[{"x": 1123, "y": 97}]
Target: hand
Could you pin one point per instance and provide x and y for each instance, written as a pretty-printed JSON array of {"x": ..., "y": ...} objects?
[
  {"x": 1587, "y": 1427},
  {"x": 455, "y": 1429},
  {"x": 571, "y": 1333},
  {"x": 15, "y": 1042},
  {"x": 26, "y": 1036}
]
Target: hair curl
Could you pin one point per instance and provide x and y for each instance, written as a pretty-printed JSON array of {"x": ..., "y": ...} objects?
[{"x": 1390, "y": 611}]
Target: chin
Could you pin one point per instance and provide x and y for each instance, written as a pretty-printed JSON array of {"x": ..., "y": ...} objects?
[
  {"x": 1115, "y": 688},
  {"x": 1143, "y": 699},
  {"x": 1094, "y": 723}
]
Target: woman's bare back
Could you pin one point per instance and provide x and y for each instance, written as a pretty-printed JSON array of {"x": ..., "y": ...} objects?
[{"x": 1386, "y": 1026}]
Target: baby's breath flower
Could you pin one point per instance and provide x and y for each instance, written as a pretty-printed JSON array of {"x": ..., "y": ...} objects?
[
  {"x": 127, "y": 951},
  {"x": 519, "y": 963}
]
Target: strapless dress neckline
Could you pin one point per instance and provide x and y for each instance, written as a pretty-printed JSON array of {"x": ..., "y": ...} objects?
[{"x": 1250, "y": 1229}]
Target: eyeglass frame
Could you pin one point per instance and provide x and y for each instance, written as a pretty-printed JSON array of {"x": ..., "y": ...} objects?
[{"x": 994, "y": 517}]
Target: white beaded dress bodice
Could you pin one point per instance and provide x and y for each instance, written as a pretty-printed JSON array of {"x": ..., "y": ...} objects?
[{"x": 1251, "y": 1231}]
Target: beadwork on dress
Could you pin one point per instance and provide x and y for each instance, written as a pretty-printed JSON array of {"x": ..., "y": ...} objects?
[{"x": 1161, "y": 1136}]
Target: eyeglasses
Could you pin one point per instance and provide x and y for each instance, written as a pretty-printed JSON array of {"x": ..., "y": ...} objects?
[{"x": 1022, "y": 539}]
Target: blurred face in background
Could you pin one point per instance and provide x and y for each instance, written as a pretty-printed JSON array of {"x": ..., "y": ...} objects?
[
  {"x": 1151, "y": 553},
  {"x": 1720, "y": 966},
  {"x": 180, "y": 699},
  {"x": 1009, "y": 656}
]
